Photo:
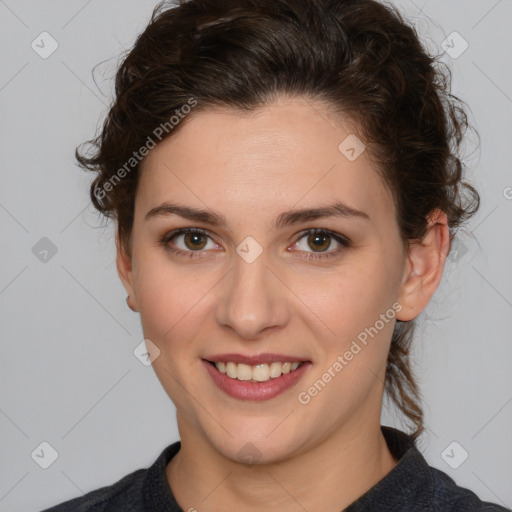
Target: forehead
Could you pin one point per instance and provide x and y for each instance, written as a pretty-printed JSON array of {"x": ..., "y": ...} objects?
[{"x": 291, "y": 153}]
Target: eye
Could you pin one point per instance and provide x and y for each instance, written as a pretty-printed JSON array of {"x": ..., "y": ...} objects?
[
  {"x": 193, "y": 240},
  {"x": 321, "y": 239}
]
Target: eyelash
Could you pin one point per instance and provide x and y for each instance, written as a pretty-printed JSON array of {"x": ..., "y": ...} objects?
[{"x": 345, "y": 242}]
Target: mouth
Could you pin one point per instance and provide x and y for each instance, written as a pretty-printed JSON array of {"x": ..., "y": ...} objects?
[
  {"x": 261, "y": 372},
  {"x": 255, "y": 378}
]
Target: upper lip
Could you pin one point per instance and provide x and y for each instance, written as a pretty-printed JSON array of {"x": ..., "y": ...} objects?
[{"x": 256, "y": 359}]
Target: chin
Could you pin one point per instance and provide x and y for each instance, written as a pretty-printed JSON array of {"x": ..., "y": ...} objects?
[{"x": 258, "y": 443}]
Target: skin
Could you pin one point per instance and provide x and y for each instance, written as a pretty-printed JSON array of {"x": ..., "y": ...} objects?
[{"x": 324, "y": 455}]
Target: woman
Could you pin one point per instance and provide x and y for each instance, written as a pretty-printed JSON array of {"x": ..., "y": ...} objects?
[{"x": 285, "y": 179}]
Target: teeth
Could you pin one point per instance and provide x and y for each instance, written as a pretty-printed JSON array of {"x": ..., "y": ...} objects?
[{"x": 259, "y": 372}]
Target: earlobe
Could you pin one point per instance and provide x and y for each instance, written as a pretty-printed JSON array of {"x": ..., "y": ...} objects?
[
  {"x": 125, "y": 271},
  {"x": 425, "y": 267},
  {"x": 130, "y": 305}
]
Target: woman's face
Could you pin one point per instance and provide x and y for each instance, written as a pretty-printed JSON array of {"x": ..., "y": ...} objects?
[{"x": 252, "y": 286}]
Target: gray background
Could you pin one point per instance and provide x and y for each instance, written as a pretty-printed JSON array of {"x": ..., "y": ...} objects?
[{"x": 68, "y": 375}]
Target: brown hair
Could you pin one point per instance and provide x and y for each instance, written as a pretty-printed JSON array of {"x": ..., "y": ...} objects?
[{"x": 359, "y": 57}]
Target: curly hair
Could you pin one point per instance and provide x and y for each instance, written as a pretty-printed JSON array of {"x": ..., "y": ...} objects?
[{"x": 358, "y": 57}]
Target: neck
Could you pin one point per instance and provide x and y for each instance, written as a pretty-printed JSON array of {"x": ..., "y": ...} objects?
[{"x": 328, "y": 477}]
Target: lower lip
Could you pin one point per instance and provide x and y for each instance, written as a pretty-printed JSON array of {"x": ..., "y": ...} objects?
[{"x": 255, "y": 391}]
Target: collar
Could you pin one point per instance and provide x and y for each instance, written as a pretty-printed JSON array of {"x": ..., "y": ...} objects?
[
  {"x": 409, "y": 482},
  {"x": 157, "y": 494}
]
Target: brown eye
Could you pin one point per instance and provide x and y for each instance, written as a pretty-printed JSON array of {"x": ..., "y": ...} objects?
[
  {"x": 194, "y": 241},
  {"x": 319, "y": 241},
  {"x": 188, "y": 241}
]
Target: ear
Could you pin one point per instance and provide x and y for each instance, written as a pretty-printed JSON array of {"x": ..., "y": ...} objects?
[
  {"x": 424, "y": 267},
  {"x": 125, "y": 271}
]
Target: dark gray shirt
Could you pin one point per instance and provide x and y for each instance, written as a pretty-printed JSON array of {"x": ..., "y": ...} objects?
[{"x": 411, "y": 486}]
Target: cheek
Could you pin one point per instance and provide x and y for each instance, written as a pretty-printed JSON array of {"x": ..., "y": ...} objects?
[
  {"x": 357, "y": 322},
  {"x": 346, "y": 301},
  {"x": 170, "y": 306},
  {"x": 164, "y": 297},
  {"x": 355, "y": 306}
]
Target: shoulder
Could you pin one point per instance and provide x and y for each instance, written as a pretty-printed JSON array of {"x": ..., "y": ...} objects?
[
  {"x": 123, "y": 495},
  {"x": 447, "y": 495},
  {"x": 134, "y": 492},
  {"x": 414, "y": 485}
]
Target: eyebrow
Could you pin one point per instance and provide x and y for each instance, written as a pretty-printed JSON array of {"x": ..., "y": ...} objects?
[{"x": 336, "y": 209}]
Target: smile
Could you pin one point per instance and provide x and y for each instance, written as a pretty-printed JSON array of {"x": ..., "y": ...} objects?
[
  {"x": 255, "y": 378},
  {"x": 257, "y": 373}
]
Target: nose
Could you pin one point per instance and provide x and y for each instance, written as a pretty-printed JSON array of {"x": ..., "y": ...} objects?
[{"x": 253, "y": 300}]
